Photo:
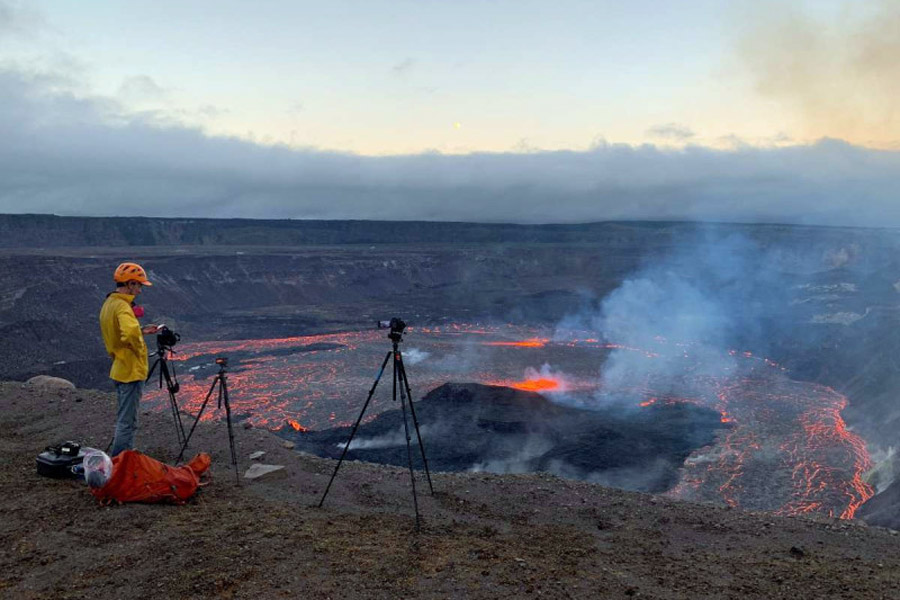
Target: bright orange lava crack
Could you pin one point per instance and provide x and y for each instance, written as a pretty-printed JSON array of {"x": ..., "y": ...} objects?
[{"x": 530, "y": 343}]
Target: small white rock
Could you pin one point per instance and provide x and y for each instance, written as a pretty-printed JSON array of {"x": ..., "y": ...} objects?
[
  {"x": 257, "y": 455},
  {"x": 258, "y": 470},
  {"x": 47, "y": 384}
]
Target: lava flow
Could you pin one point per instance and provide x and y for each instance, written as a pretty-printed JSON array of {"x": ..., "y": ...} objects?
[
  {"x": 783, "y": 446},
  {"x": 531, "y": 343},
  {"x": 787, "y": 449}
]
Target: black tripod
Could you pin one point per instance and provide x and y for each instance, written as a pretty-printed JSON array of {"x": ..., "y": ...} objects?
[
  {"x": 171, "y": 379},
  {"x": 396, "y": 336},
  {"x": 221, "y": 380},
  {"x": 172, "y": 386}
]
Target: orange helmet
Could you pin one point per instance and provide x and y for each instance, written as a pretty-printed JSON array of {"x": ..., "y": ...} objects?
[{"x": 131, "y": 272}]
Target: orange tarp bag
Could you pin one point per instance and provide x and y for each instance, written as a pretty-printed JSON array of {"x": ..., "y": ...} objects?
[{"x": 139, "y": 478}]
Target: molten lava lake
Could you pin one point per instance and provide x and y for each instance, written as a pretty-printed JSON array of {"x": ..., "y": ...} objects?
[{"x": 783, "y": 445}]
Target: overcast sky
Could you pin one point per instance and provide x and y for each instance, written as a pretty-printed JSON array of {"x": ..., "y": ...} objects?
[{"x": 519, "y": 111}]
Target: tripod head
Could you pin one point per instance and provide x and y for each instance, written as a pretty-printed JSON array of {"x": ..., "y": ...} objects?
[{"x": 164, "y": 351}]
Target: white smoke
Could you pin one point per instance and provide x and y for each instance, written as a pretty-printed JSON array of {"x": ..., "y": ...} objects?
[
  {"x": 663, "y": 312},
  {"x": 682, "y": 314},
  {"x": 518, "y": 462},
  {"x": 884, "y": 471},
  {"x": 413, "y": 356},
  {"x": 639, "y": 478},
  {"x": 464, "y": 359},
  {"x": 388, "y": 440},
  {"x": 392, "y": 439}
]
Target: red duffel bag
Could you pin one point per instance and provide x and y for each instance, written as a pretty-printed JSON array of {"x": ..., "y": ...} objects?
[{"x": 139, "y": 478}]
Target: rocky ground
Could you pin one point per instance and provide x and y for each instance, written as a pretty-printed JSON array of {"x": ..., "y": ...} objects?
[{"x": 481, "y": 536}]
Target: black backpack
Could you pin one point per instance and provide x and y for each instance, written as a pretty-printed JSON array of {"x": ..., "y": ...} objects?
[{"x": 61, "y": 460}]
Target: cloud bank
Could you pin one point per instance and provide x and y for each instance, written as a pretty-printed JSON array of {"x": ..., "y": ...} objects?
[{"x": 65, "y": 153}]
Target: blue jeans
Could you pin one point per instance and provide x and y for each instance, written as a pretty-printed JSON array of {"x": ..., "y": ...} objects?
[{"x": 129, "y": 397}]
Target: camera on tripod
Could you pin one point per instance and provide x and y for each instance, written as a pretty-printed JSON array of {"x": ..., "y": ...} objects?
[
  {"x": 219, "y": 381},
  {"x": 401, "y": 384},
  {"x": 397, "y": 325},
  {"x": 166, "y": 338}
]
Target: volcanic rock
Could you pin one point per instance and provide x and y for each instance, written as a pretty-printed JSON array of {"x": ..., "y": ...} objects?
[
  {"x": 503, "y": 430},
  {"x": 46, "y": 383},
  {"x": 883, "y": 510},
  {"x": 258, "y": 470}
]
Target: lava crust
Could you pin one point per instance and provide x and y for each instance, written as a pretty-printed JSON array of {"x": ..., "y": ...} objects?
[{"x": 503, "y": 430}]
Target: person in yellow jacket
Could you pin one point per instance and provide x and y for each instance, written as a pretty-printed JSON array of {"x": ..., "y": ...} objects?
[{"x": 123, "y": 337}]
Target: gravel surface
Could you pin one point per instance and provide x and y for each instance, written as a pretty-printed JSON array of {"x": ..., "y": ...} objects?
[{"x": 481, "y": 535}]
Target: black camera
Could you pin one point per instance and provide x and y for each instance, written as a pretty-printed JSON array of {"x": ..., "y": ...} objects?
[
  {"x": 68, "y": 449},
  {"x": 166, "y": 338},
  {"x": 397, "y": 325}
]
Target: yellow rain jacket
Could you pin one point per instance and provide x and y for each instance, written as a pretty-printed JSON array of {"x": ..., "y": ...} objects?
[{"x": 123, "y": 338}]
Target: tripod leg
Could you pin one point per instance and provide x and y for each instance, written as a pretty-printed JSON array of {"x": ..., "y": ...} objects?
[
  {"x": 150, "y": 372},
  {"x": 412, "y": 478},
  {"x": 355, "y": 427},
  {"x": 197, "y": 420},
  {"x": 173, "y": 402},
  {"x": 179, "y": 427},
  {"x": 223, "y": 395},
  {"x": 412, "y": 411}
]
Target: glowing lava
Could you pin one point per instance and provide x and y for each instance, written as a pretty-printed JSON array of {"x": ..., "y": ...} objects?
[
  {"x": 543, "y": 384},
  {"x": 531, "y": 343},
  {"x": 787, "y": 449},
  {"x": 296, "y": 426},
  {"x": 783, "y": 447}
]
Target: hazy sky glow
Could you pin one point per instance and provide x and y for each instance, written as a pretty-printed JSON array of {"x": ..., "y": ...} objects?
[{"x": 505, "y": 110}]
